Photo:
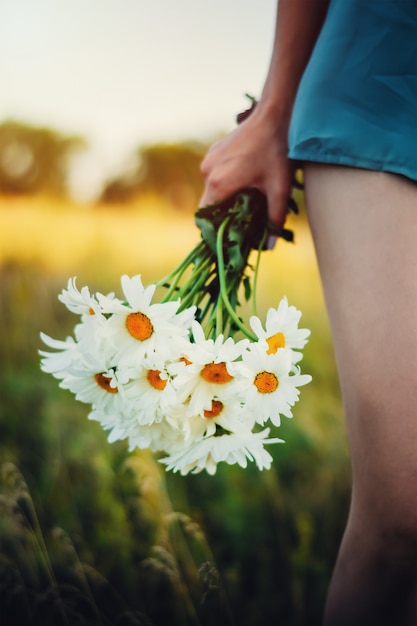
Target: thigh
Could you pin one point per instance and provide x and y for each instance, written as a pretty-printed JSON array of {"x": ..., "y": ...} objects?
[{"x": 364, "y": 226}]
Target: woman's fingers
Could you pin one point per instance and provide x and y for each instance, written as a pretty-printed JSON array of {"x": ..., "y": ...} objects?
[
  {"x": 278, "y": 191},
  {"x": 253, "y": 155},
  {"x": 223, "y": 178}
]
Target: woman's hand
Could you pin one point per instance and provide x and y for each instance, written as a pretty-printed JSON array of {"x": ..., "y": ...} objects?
[{"x": 253, "y": 155}]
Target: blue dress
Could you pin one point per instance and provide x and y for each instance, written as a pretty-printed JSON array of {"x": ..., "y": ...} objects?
[{"x": 357, "y": 101}]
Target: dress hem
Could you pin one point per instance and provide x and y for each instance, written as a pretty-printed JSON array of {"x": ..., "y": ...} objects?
[{"x": 350, "y": 161}]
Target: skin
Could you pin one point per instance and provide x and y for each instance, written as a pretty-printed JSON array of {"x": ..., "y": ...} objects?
[
  {"x": 365, "y": 245},
  {"x": 366, "y": 250},
  {"x": 256, "y": 151}
]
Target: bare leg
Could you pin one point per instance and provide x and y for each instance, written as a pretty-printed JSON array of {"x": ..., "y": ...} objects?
[{"x": 364, "y": 226}]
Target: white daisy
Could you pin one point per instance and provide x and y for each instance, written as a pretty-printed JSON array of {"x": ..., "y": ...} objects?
[
  {"x": 114, "y": 422},
  {"x": 121, "y": 422},
  {"x": 281, "y": 329},
  {"x": 204, "y": 371},
  {"x": 161, "y": 436},
  {"x": 80, "y": 302},
  {"x": 90, "y": 341},
  {"x": 89, "y": 333},
  {"x": 150, "y": 394},
  {"x": 227, "y": 414},
  {"x": 92, "y": 337},
  {"x": 230, "y": 448},
  {"x": 57, "y": 363},
  {"x": 270, "y": 389},
  {"x": 138, "y": 328},
  {"x": 94, "y": 381}
]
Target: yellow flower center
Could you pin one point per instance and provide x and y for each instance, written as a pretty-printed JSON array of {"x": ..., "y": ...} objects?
[
  {"x": 216, "y": 373},
  {"x": 139, "y": 326},
  {"x": 104, "y": 382},
  {"x": 266, "y": 382},
  {"x": 275, "y": 342},
  {"x": 216, "y": 409},
  {"x": 91, "y": 311},
  {"x": 185, "y": 360},
  {"x": 155, "y": 380}
]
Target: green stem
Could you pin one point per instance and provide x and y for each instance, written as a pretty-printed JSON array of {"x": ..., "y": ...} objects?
[
  {"x": 199, "y": 275},
  {"x": 219, "y": 320},
  {"x": 222, "y": 280},
  {"x": 183, "y": 265},
  {"x": 193, "y": 286},
  {"x": 205, "y": 312},
  {"x": 181, "y": 269},
  {"x": 209, "y": 328},
  {"x": 255, "y": 277}
]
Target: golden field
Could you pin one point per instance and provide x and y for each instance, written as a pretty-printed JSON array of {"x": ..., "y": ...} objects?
[{"x": 102, "y": 243}]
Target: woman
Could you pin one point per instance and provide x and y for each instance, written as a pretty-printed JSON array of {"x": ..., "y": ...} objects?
[{"x": 340, "y": 100}]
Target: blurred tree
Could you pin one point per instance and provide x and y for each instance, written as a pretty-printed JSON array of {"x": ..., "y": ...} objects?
[
  {"x": 169, "y": 170},
  {"x": 34, "y": 160}
]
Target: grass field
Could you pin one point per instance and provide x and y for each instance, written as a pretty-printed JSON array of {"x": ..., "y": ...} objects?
[{"x": 91, "y": 534}]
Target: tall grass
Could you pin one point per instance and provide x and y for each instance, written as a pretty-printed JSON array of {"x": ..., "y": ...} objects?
[{"x": 90, "y": 534}]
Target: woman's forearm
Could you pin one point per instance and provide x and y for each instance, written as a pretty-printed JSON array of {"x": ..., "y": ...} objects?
[
  {"x": 298, "y": 24},
  {"x": 255, "y": 153}
]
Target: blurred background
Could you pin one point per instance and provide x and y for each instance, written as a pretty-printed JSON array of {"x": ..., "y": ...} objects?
[{"x": 107, "y": 109}]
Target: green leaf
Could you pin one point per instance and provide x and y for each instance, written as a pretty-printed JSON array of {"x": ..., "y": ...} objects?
[
  {"x": 247, "y": 287},
  {"x": 208, "y": 231}
]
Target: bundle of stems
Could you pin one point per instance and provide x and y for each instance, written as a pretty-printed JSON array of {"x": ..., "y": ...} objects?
[{"x": 217, "y": 270}]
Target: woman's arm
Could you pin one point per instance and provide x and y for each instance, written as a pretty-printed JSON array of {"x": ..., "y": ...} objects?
[
  {"x": 298, "y": 25},
  {"x": 255, "y": 153}
]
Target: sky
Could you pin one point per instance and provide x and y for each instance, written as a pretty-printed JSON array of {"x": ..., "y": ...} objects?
[{"x": 125, "y": 73}]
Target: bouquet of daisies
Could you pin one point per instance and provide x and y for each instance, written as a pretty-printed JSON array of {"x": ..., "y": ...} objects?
[{"x": 172, "y": 366}]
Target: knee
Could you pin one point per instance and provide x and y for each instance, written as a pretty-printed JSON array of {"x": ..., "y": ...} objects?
[
  {"x": 399, "y": 542},
  {"x": 388, "y": 523},
  {"x": 384, "y": 466},
  {"x": 398, "y": 519}
]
